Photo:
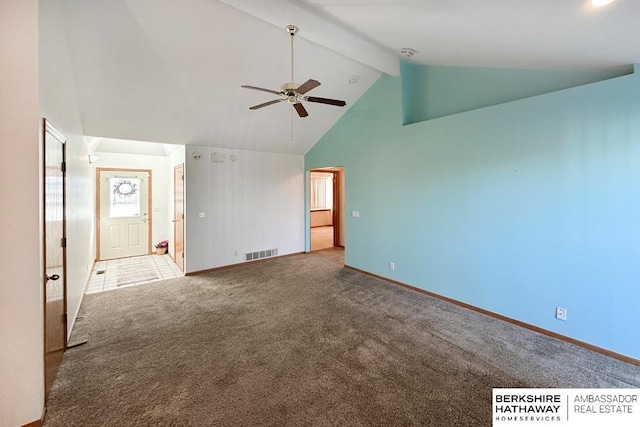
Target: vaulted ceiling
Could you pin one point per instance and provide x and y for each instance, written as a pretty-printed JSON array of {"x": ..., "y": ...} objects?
[{"x": 170, "y": 71}]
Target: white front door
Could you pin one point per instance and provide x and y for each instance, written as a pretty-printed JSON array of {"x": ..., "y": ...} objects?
[{"x": 123, "y": 213}]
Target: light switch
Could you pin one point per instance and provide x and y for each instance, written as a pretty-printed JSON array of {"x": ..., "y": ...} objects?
[{"x": 355, "y": 214}]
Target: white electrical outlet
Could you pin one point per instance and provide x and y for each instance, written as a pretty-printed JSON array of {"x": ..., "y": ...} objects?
[
  {"x": 201, "y": 215},
  {"x": 392, "y": 266},
  {"x": 355, "y": 214},
  {"x": 561, "y": 313}
]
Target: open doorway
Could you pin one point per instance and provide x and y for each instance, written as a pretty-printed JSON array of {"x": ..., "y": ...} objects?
[
  {"x": 134, "y": 190},
  {"x": 326, "y": 204}
]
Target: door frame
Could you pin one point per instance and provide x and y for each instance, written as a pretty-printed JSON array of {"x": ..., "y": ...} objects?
[
  {"x": 178, "y": 257},
  {"x": 338, "y": 202},
  {"x": 337, "y": 207},
  {"x": 149, "y": 206},
  {"x": 48, "y": 128}
]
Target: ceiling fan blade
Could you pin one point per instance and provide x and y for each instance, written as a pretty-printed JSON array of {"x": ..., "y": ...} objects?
[
  {"x": 325, "y": 101},
  {"x": 307, "y": 86},
  {"x": 300, "y": 109},
  {"x": 275, "y": 101},
  {"x": 262, "y": 89}
]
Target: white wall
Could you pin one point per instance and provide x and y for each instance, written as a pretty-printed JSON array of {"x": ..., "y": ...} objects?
[
  {"x": 21, "y": 305},
  {"x": 160, "y": 181},
  {"x": 59, "y": 105},
  {"x": 254, "y": 203}
]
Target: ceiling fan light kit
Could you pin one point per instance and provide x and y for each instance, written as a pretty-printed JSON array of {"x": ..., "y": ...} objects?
[{"x": 292, "y": 92}]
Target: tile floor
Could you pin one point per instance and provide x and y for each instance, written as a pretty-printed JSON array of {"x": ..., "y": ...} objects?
[{"x": 104, "y": 276}]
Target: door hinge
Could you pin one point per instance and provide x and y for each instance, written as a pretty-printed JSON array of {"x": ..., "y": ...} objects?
[
  {"x": 64, "y": 317},
  {"x": 182, "y": 216},
  {"x": 63, "y": 242},
  {"x": 182, "y": 254},
  {"x": 182, "y": 177},
  {"x": 63, "y": 166}
]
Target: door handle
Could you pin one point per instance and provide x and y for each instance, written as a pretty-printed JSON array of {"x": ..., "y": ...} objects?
[
  {"x": 144, "y": 219},
  {"x": 175, "y": 220},
  {"x": 53, "y": 277}
]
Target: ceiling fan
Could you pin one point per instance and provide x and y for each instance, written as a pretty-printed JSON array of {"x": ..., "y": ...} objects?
[{"x": 292, "y": 92}]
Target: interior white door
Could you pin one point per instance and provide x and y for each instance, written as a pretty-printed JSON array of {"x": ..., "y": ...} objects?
[{"x": 124, "y": 213}]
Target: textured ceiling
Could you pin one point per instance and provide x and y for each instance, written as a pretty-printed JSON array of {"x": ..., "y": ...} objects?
[
  {"x": 498, "y": 33},
  {"x": 170, "y": 71}
]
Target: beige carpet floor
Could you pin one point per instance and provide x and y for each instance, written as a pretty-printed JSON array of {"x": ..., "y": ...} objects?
[{"x": 298, "y": 341}]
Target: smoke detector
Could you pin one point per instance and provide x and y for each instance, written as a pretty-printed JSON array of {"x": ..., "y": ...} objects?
[{"x": 407, "y": 52}]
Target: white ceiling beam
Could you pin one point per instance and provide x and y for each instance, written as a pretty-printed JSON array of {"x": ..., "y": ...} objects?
[{"x": 320, "y": 31}]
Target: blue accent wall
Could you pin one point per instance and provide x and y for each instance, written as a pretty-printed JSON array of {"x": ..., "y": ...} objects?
[
  {"x": 431, "y": 91},
  {"x": 515, "y": 208}
]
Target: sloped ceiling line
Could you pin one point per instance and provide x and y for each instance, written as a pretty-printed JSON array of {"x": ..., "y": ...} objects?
[{"x": 320, "y": 31}]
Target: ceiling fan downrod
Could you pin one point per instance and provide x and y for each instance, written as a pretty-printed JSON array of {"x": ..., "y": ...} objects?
[{"x": 292, "y": 30}]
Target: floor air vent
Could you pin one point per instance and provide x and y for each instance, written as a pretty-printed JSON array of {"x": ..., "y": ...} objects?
[{"x": 250, "y": 256}]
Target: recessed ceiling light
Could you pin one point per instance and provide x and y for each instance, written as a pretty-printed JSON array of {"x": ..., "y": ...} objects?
[{"x": 600, "y": 3}]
